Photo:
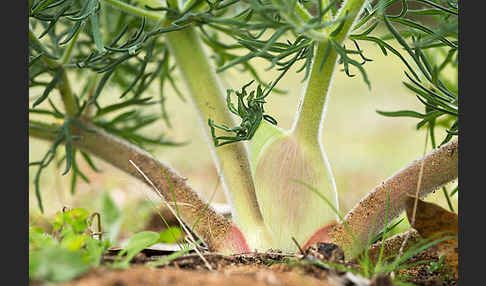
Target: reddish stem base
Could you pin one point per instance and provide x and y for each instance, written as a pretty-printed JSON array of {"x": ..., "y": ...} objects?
[
  {"x": 321, "y": 235},
  {"x": 235, "y": 241}
]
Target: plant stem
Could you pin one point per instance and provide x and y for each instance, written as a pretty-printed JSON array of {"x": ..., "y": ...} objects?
[
  {"x": 307, "y": 125},
  {"x": 297, "y": 20},
  {"x": 301, "y": 11},
  {"x": 351, "y": 9},
  {"x": 67, "y": 96},
  {"x": 69, "y": 49},
  {"x": 152, "y": 3},
  {"x": 135, "y": 10},
  {"x": 64, "y": 86},
  {"x": 189, "y": 4},
  {"x": 93, "y": 83},
  {"x": 33, "y": 38},
  {"x": 213, "y": 229},
  {"x": 440, "y": 166},
  {"x": 326, "y": 17},
  {"x": 232, "y": 159}
]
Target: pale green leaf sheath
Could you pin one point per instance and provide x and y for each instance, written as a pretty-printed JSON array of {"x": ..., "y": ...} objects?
[
  {"x": 289, "y": 167},
  {"x": 289, "y": 208},
  {"x": 289, "y": 158}
]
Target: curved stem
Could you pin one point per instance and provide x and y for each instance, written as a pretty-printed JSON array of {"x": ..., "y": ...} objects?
[
  {"x": 214, "y": 229},
  {"x": 440, "y": 167}
]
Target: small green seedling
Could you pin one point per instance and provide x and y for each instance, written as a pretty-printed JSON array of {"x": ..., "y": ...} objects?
[
  {"x": 77, "y": 245},
  {"x": 71, "y": 250},
  {"x": 137, "y": 242}
]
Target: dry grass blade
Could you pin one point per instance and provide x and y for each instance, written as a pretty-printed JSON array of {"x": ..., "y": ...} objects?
[
  {"x": 419, "y": 181},
  {"x": 188, "y": 233}
]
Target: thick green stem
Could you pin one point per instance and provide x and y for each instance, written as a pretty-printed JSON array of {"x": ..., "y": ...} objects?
[
  {"x": 312, "y": 110},
  {"x": 232, "y": 159},
  {"x": 311, "y": 113},
  {"x": 68, "y": 98},
  {"x": 351, "y": 10}
]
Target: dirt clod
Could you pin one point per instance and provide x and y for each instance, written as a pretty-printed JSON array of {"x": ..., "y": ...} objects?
[{"x": 382, "y": 280}]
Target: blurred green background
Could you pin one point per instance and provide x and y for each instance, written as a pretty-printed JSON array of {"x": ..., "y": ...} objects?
[{"x": 363, "y": 147}]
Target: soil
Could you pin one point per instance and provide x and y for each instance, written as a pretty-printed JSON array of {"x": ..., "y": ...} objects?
[
  {"x": 255, "y": 269},
  {"x": 260, "y": 269}
]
